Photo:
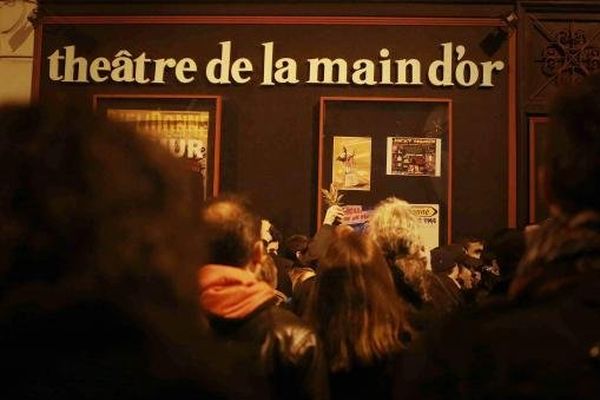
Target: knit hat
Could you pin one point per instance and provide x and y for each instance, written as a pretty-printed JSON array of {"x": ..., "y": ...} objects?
[{"x": 443, "y": 259}]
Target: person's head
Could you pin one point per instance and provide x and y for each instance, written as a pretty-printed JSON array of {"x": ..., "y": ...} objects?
[
  {"x": 445, "y": 260},
  {"x": 295, "y": 247},
  {"x": 394, "y": 228},
  {"x": 267, "y": 272},
  {"x": 508, "y": 247},
  {"x": 232, "y": 233},
  {"x": 82, "y": 198},
  {"x": 571, "y": 168},
  {"x": 354, "y": 305},
  {"x": 473, "y": 246},
  {"x": 98, "y": 253}
]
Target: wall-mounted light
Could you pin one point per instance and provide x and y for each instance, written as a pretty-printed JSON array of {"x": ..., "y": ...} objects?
[{"x": 492, "y": 42}]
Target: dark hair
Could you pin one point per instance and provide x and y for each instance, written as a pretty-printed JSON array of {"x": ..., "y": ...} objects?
[
  {"x": 82, "y": 199},
  {"x": 466, "y": 240},
  {"x": 572, "y": 150},
  {"x": 293, "y": 244},
  {"x": 98, "y": 255},
  {"x": 508, "y": 247},
  {"x": 275, "y": 234},
  {"x": 232, "y": 230},
  {"x": 354, "y": 306}
]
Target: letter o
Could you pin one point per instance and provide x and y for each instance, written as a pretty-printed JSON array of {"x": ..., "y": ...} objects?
[{"x": 473, "y": 73}]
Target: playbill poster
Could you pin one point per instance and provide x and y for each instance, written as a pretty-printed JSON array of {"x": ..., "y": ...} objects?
[
  {"x": 351, "y": 162},
  {"x": 413, "y": 156},
  {"x": 183, "y": 133},
  {"x": 429, "y": 227}
]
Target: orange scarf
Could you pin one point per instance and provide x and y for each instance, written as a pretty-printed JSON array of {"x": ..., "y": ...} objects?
[{"x": 230, "y": 292}]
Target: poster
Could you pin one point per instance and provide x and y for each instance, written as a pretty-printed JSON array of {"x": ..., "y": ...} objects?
[
  {"x": 183, "y": 133},
  {"x": 351, "y": 163},
  {"x": 413, "y": 156},
  {"x": 429, "y": 227},
  {"x": 356, "y": 215}
]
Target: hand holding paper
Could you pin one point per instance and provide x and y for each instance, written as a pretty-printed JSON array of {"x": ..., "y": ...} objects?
[{"x": 333, "y": 213}]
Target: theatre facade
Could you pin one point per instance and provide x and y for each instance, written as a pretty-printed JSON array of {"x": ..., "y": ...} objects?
[{"x": 443, "y": 104}]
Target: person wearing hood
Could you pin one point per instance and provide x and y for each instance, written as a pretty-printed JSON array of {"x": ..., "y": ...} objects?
[{"x": 242, "y": 310}]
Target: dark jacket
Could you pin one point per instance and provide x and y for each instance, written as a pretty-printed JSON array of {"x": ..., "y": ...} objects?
[
  {"x": 284, "y": 285},
  {"x": 282, "y": 347},
  {"x": 302, "y": 296},
  {"x": 445, "y": 294},
  {"x": 367, "y": 382},
  {"x": 443, "y": 298},
  {"x": 543, "y": 343},
  {"x": 405, "y": 290}
]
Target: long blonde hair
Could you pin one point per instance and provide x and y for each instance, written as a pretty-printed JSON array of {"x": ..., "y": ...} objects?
[{"x": 354, "y": 306}]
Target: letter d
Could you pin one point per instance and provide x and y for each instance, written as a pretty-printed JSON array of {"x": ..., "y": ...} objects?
[
  {"x": 446, "y": 65},
  {"x": 223, "y": 64}
]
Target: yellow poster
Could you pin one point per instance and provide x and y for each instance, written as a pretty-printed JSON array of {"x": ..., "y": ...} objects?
[
  {"x": 183, "y": 133},
  {"x": 351, "y": 163}
]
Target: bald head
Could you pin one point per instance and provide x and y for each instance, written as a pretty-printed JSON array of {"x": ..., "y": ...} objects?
[{"x": 232, "y": 232}]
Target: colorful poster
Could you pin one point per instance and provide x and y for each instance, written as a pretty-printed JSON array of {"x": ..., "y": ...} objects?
[
  {"x": 355, "y": 215},
  {"x": 429, "y": 228},
  {"x": 183, "y": 133},
  {"x": 413, "y": 156},
  {"x": 351, "y": 163}
]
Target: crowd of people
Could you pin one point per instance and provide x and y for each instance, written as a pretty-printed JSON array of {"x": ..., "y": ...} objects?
[{"x": 118, "y": 281}]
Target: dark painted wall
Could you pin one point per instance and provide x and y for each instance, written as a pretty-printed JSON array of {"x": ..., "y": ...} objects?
[{"x": 270, "y": 134}]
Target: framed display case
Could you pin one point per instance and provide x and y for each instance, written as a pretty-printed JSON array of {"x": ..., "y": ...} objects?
[
  {"x": 188, "y": 126},
  {"x": 371, "y": 148}
]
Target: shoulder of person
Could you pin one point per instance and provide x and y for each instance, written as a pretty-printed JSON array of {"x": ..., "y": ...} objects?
[{"x": 293, "y": 337}]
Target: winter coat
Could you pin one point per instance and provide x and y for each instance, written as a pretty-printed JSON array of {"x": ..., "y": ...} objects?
[
  {"x": 277, "y": 344},
  {"x": 542, "y": 343}
]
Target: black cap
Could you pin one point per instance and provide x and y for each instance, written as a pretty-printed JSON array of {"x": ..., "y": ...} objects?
[{"x": 444, "y": 258}]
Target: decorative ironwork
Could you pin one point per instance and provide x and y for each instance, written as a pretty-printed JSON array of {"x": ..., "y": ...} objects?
[{"x": 569, "y": 55}]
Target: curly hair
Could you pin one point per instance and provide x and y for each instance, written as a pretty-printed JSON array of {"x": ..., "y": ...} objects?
[{"x": 394, "y": 228}]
